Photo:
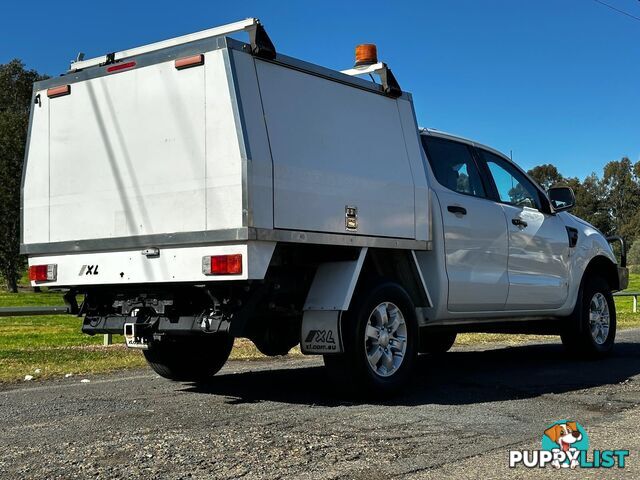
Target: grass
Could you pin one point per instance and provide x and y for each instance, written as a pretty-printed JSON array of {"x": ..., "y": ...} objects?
[
  {"x": 28, "y": 299},
  {"x": 55, "y": 345}
]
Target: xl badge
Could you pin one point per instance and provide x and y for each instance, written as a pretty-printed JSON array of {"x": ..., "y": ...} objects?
[{"x": 88, "y": 270}]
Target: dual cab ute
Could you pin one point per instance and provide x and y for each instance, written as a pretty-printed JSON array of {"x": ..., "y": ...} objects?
[{"x": 200, "y": 189}]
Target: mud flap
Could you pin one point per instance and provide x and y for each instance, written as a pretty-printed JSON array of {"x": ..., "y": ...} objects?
[
  {"x": 320, "y": 332},
  {"x": 330, "y": 294}
]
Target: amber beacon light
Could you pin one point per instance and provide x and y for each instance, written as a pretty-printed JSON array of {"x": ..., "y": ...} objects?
[{"x": 366, "y": 54}]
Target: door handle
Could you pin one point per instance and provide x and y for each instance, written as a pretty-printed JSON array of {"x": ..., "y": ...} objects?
[
  {"x": 457, "y": 209},
  {"x": 518, "y": 222}
]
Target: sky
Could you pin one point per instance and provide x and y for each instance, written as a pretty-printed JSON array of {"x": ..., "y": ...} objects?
[{"x": 553, "y": 81}]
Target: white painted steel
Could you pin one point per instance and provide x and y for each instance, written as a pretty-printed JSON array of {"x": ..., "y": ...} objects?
[
  {"x": 259, "y": 165},
  {"x": 417, "y": 162},
  {"x": 334, "y": 145},
  {"x": 242, "y": 25},
  {"x": 149, "y": 151},
  {"x": 364, "y": 70},
  {"x": 476, "y": 252},
  {"x": 35, "y": 225},
  {"x": 224, "y": 183},
  {"x": 538, "y": 260},
  {"x": 172, "y": 265},
  {"x": 334, "y": 283}
]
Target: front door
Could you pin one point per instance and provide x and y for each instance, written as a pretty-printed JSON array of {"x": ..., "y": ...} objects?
[{"x": 538, "y": 241}]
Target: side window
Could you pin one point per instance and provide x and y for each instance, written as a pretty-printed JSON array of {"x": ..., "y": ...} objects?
[
  {"x": 513, "y": 187},
  {"x": 454, "y": 166}
]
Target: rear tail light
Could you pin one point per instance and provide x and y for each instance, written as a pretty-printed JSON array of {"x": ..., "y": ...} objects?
[
  {"x": 43, "y": 273},
  {"x": 222, "y": 265}
]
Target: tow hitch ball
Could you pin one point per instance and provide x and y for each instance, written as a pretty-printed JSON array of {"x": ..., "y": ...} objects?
[{"x": 134, "y": 336}]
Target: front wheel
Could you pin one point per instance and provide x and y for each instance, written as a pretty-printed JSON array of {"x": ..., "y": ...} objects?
[
  {"x": 591, "y": 330},
  {"x": 190, "y": 358},
  {"x": 380, "y": 336}
]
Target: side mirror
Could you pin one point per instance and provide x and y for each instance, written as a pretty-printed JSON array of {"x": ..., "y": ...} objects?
[{"x": 562, "y": 198}]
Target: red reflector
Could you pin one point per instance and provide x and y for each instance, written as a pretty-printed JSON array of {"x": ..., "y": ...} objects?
[
  {"x": 222, "y": 265},
  {"x": 121, "y": 66},
  {"x": 192, "y": 61},
  {"x": 59, "y": 91},
  {"x": 43, "y": 273}
]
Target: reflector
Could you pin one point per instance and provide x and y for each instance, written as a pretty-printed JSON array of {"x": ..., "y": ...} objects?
[
  {"x": 192, "y": 61},
  {"x": 59, "y": 91}
]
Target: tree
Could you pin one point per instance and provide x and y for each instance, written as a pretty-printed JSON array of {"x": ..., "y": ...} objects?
[
  {"x": 591, "y": 203},
  {"x": 15, "y": 102},
  {"x": 633, "y": 257},
  {"x": 622, "y": 195},
  {"x": 546, "y": 175}
]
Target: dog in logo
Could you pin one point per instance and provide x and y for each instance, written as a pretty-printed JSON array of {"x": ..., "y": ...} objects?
[{"x": 565, "y": 435}]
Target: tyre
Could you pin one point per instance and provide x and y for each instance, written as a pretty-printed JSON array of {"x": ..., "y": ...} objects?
[
  {"x": 591, "y": 329},
  {"x": 189, "y": 358},
  {"x": 437, "y": 342},
  {"x": 276, "y": 337},
  {"x": 380, "y": 339}
]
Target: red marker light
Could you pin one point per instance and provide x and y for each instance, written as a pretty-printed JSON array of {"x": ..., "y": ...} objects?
[
  {"x": 222, "y": 265},
  {"x": 121, "y": 66}
]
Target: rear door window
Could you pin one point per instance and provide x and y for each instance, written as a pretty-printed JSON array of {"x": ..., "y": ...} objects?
[{"x": 454, "y": 166}]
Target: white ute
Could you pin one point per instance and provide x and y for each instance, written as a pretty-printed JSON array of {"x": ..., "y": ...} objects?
[{"x": 200, "y": 189}]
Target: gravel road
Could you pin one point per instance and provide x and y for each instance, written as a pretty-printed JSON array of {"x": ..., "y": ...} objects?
[{"x": 282, "y": 419}]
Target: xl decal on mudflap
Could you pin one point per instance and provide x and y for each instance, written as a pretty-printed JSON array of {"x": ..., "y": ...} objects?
[{"x": 320, "y": 332}]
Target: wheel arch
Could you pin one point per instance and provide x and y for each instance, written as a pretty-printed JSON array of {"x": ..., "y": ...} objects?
[
  {"x": 400, "y": 266},
  {"x": 604, "y": 267},
  {"x": 337, "y": 283}
]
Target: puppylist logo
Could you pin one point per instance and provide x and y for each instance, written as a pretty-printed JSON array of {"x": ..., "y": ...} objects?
[{"x": 565, "y": 444}]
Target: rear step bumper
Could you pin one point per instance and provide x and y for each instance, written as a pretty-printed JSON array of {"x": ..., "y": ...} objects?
[{"x": 174, "y": 326}]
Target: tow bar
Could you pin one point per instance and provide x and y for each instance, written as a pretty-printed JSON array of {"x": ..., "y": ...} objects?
[{"x": 133, "y": 336}]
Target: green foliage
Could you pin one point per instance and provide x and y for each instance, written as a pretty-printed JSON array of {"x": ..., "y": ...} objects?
[
  {"x": 611, "y": 203},
  {"x": 546, "y": 175},
  {"x": 633, "y": 257},
  {"x": 15, "y": 101}
]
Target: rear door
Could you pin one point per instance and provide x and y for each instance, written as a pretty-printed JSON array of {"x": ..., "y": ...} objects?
[
  {"x": 475, "y": 229},
  {"x": 538, "y": 241},
  {"x": 149, "y": 150}
]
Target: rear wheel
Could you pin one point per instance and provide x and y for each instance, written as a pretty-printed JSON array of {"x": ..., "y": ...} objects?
[
  {"x": 591, "y": 330},
  {"x": 380, "y": 336},
  {"x": 189, "y": 358},
  {"x": 437, "y": 342}
]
